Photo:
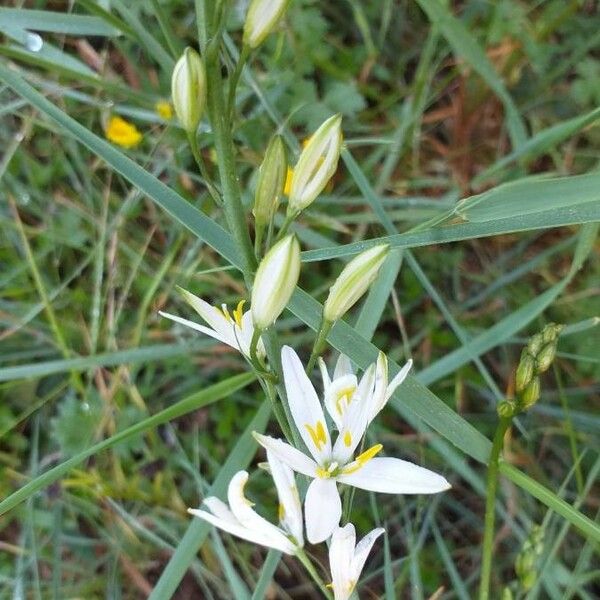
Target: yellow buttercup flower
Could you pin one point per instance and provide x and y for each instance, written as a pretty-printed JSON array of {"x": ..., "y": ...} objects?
[
  {"x": 164, "y": 110},
  {"x": 121, "y": 132}
]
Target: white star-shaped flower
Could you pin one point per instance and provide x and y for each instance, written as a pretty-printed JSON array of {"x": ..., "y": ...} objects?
[
  {"x": 352, "y": 406},
  {"x": 241, "y": 520},
  {"x": 235, "y": 330}
]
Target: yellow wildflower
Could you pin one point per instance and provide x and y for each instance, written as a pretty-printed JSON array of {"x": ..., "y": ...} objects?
[
  {"x": 164, "y": 110},
  {"x": 121, "y": 132}
]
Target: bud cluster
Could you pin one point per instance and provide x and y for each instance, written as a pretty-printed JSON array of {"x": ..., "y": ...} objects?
[
  {"x": 536, "y": 358},
  {"x": 527, "y": 559}
]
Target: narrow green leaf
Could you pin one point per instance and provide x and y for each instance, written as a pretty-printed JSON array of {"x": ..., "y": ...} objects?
[
  {"x": 55, "y": 22},
  {"x": 550, "y": 499},
  {"x": 266, "y": 575},
  {"x": 108, "y": 359}
]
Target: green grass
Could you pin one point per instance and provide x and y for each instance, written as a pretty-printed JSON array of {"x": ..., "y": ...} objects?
[{"x": 472, "y": 143}]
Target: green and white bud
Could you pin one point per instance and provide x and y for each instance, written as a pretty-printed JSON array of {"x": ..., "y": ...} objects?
[
  {"x": 274, "y": 282},
  {"x": 506, "y": 409},
  {"x": 353, "y": 282},
  {"x": 188, "y": 89},
  {"x": 316, "y": 165},
  {"x": 261, "y": 18},
  {"x": 271, "y": 179}
]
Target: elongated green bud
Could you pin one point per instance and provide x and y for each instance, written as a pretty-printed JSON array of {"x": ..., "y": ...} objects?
[
  {"x": 275, "y": 280},
  {"x": 316, "y": 165},
  {"x": 261, "y": 18},
  {"x": 188, "y": 88},
  {"x": 524, "y": 370},
  {"x": 271, "y": 179},
  {"x": 530, "y": 395},
  {"x": 353, "y": 282}
]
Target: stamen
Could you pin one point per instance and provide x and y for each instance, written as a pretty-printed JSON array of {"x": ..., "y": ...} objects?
[
  {"x": 317, "y": 434},
  {"x": 237, "y": 313},
  {"x": 323, "y": 473},
  {"x": 225, "y": 312},
  {"x": 281, "y": 512},
  {"x": 367, "y": 455},
  {"x": 347, "y": 439}
]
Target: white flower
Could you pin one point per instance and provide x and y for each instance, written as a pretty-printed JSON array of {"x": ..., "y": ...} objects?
[
  {"x": 316, "y": 165},
  {"x": 352, "y": 407},
  {"x": 275, "y": 281},
  {"x": 188, "y": 89},
  {"x": 353, "y": 282},
  {"x": 235, "y": 330},
  {"x": 241, "y": 520},
  {"x": 347, "y": 561}
]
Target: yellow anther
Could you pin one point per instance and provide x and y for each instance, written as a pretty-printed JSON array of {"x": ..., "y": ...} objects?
[
  {"x": 348, "y": 439},
  {"x": 164, "y": 110},
  {"x": 287, "y": 186},
  {"x": 281, "y": 512},
  {"x": 323, "y": 473},
  {"x": 317, "y": 434},
  {"x": 237, "y": 313},
  {"x": 367, "y": 455}
]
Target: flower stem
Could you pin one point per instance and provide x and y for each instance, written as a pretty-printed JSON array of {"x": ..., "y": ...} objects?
[
  {"x": 234, "y": 79},
  {"x": 303, "y": 558},
  {"x": 193, "y": 141},
  {"x": 232, "y": 202},
  {"x": 285, "y": 226},
  {"x": 490, "y": 502},
  {"x": 319, "y": 345}
]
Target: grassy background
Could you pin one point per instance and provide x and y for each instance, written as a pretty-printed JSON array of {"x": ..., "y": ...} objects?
[{"x": 441, "y": 101}]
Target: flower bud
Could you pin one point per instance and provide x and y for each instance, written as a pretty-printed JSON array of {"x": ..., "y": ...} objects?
[
  {"x": 261, "y": 18},
  {"x": 535, "y": 343},
  {"x": 271, "y": 178},
  {"x": 506, "y": 409},
  {"x": 188, "y": 88},
  {"x": 275, "y": 280},
  {"x": 316, "y": 165},
  {"x": 353, "y": 282},
  {"x": 545, "y": 357},
  {"x": 524, "y": 370},
  {"x": 530, "y": 394}
]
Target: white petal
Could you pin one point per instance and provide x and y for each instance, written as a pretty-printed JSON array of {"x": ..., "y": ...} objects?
[
  {"x": 324, "y": 374},
  {"x": 322, "y": 509},
  {"x": 395, "y": 476},
  {"x": 377, "y": 399},
  {"x": 355, "y": 422},
  {"x": 222, "y": 337},
  {"x": 288, "y": 454},
  {"x": 339, "y": 396},
  {"x": 343, "y": 366},
  {"x": 367, "y": 381},
  {"x": 244, "y": 533},
  {"x": 341, "y": 554},
  {"x": 305, "y": 406},
  {"x": 242, "y": 509},
  {"x": 362, "y": 552},
  {"x": 289, "y": 498},
  {"x": 211, "y": 314},
  {"x": 398, "y": 380}
]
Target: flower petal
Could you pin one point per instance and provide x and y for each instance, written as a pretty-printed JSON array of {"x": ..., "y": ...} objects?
[
  {"x": 339, "y": 396},
  {"x": 242, "y": 509},
  {"x": 395, "y": 476},
  {"x": 341, "y": 553},
  {"x": 289, "y": 500},
  {"x": 355, "y": 422},
  {"x": 211, "y": 314},
  {"x": 343, "y": 366},
  {"x": 362, "y": 552},
  {"x": 322, "y": 509},
  {"x": 288, "y": 454},
  {"x": 243, "y": 532},
  {"x": 398, "y": 379},
  {"x": 305, "y": 406}
]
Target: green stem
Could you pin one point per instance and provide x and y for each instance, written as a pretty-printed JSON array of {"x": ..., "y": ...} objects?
[
  {"x": 303, "y": 558},
  {"x": 490, "y": 505},
  {"x": 233, "y": 208},
  {"x": 193, "y": 141},
  {"x": 288, "y": 221},
  {"x": 319, "y": 345},
  {"x": 234, "y": 80}
]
